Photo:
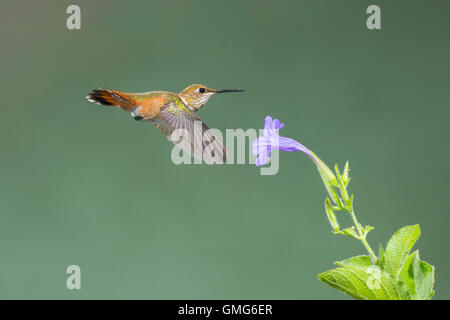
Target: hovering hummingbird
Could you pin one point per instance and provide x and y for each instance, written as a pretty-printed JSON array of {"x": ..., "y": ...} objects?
[{"x": 169, "y": 111}]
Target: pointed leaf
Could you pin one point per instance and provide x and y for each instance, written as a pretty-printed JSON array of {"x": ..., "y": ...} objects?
[
  {"x": 418, "y": 277},
  {"x": 342, "y": 188},
  {"x": 371, "y": 284},
  {"x": 403, "y": 291},
  {"x": 324, "y": 170},
  {"x": 380, "y": 261},
  {"x": 423, "y": 278},
  {"x": 331, "y": 216},
  {"x": 398, "y": 248},
  {"x": 345, "y": 175},
  {"x": 350, "y": 232},
  {"x": 331, "y": 191},
  {"x": 361, "y": 262},
  {"x": 406, "y": 275},
  {"x": 367, "y": 229}
]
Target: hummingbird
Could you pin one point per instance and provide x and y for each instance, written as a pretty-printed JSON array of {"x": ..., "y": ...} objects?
[{"x": 170, "y": 111}]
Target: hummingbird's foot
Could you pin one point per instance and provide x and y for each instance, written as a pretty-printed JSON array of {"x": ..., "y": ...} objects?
[{"x": 138, "y": 118}]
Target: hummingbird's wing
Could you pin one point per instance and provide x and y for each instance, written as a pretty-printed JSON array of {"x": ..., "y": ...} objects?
[{"x": 186, "y": 130}]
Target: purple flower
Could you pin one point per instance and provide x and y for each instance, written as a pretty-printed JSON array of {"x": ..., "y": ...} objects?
[{"x": 262, "y": 147}]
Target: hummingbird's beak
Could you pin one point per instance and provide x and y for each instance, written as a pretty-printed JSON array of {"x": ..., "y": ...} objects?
[{"x": 229, "y": 90}]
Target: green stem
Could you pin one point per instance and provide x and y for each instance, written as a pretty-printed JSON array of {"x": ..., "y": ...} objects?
[{"x": 362, "y": 237}]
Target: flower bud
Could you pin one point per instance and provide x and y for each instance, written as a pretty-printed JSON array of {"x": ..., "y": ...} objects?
[
  {"x": 323, "y": 168},
  {"x": 331, "y": 216}
]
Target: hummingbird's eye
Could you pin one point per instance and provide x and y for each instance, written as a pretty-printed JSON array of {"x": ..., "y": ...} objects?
[{"x": 202, "y": 90}]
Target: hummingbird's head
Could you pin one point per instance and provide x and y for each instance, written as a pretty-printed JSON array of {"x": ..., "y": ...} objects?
[{"x": 197, "y": 95}]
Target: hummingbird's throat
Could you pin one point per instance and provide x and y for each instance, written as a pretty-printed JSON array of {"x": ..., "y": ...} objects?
[{"x": 196, "y": 103}]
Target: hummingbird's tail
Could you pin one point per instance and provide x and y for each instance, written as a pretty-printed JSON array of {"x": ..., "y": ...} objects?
[{"x": 111, "y": 98}]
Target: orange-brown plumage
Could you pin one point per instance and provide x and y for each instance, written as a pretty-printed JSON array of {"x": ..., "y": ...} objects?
[
  {"x": 168, "y": 111},
  {"x": 151, "y": 106}
]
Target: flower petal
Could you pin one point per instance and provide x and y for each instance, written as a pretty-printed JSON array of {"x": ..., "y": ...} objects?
[
  {"x": 263, "y": 157},
  {"x": 277, "y": 125},
  {"x": 288, "y": 144},
  {"x": 259, "y": 144},
  {"x": 262, "y": 149},
  {"x": 267, "y": 126},
  {"x": 263, "y": 145},
  {"x": 268, "y": 122}
]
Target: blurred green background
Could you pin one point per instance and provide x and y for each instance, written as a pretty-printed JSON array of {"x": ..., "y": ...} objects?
[{"x": 87, "y": 185}]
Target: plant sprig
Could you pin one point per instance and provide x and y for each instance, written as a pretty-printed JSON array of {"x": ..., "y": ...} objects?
[
  {"x": 393, "y": 274},
  {"x": 344, "y": 202}
]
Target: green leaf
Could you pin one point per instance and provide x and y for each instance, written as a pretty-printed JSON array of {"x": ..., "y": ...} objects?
[
  {"x": 424, "y": 280},
  {"x": 418, "y": 277},
  {"x": 361, "y": 262},
  {"x": 350, "y": 232},
  {"x": 406, "y": 275},
  {"x": 333, "y": 195},
  {"x": 331, "y": 216},
  {"x": 324, "y": 170},
  {"x": 397, "y": 274},
  {"x": 403, "y": 291},
  {"x": 342, "y": 187},
  {"x": 350, "y": 203},
  {"x": 367, "y": 229},
  {"x": 361, "y": 281},
  {"x": 380, "y": 261},
  {"x": 345, "y": 175},
  {"x": 365, "y": 264},
  {"x": 398, "y": 248}
]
